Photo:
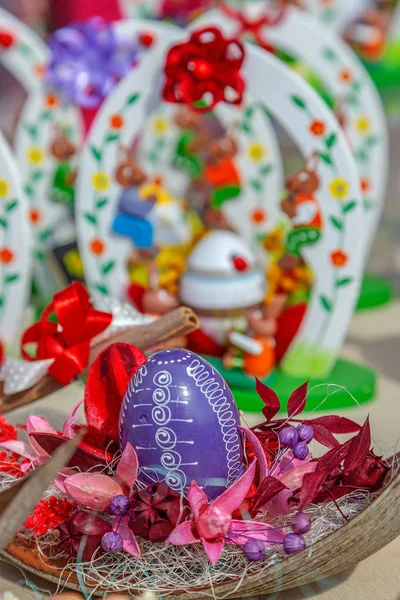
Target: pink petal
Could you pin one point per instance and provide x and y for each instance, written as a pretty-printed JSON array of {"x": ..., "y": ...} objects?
[
  {"x": 20, "y": 448},
  {"x": 258, "y": 451},
  {"x": 68, "y": 431},
  {"x": 130, "y": 544},
  {"x": 198, "y": 499},
  {"x": 182, "y": 535},
  {"x": 279, "y": 505},
  {"x": 92, "y": 490},
  {"x": 243, "y": 531},
  {"x": 61, "y": 477},
  {"x": 233, "y": 497},
  {"x": 128, "y": 466},
  {"x": 293, "y": 479},
  {"x": 213, "y": 550},
  {"x": 39, "y": 425}
]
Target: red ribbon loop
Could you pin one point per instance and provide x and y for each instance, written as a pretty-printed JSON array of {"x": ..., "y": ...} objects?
[
  {"x": 67, "y": 341},
  {"x": 254, "y": 27},
  {"x": 205, "y": 71}
]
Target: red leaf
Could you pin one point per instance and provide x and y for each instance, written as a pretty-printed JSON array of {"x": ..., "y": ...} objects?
[
  {"x": 359, "y": 448},
  {"x": 105, "y": 388},
  {"x": 334, "y": 493},
  {"x": 336, "y": 424},
  {"x": 297, "y": 401},
  {"x": 270, "y": 399},
  {"x": 332, "y": 459},
  {"x": 311, "y": 486},
  {"x": 86, "y": 457},
  {"x": 268, "y": 489},
  {"x": 323, "y": 435}
]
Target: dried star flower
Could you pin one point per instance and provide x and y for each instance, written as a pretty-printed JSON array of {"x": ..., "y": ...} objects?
[
  {"x": 156, "y": 511},
  {"x": 79, "y": 525}
]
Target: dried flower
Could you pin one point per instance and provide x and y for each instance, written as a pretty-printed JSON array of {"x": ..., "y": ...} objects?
[
  {"x": 288, "y": 437},
  {"x": 79, "y": 525},
  {"x": 370, "y": 474},
  {"x": 293, "y": 543},
  {"x": 254, "y": 550},
  {"x": 301, "y": 523},
  {"x": 48, "y": 514},
  {"x": 156, "y": 511},
  {"x": 300, "y": 451},
  {"x": 10, "y": 464},
  {"x": 120, "y": 505},
  {"x": 305, "y": 433},
  {"x": 7, "y": 430},
  {"x": 112, "y": 542}
]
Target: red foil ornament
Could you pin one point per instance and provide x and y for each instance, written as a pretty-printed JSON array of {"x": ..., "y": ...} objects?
[{"x": 205, "y": 71}]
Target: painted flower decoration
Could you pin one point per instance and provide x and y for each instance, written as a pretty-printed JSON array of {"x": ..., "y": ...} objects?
[
  {"x": 205, "y": 71},
  {"x": 100, "y": 181},
  {"x": 7, "y": 39},
  {"x": 339, "y": 258},
  {"x": 87, "y": 60},
  {"x": 339, "y": 188},
  {"x": 212, "y": 524},
  {"x": 4, "y": 187},
  {"x": 160, "y": 125},
  {"x": 362, "y": 124},
  {"x": 317, "y": 128},
  {"x": 256, "y": 152},
  {"x": 35, "y": 155}
]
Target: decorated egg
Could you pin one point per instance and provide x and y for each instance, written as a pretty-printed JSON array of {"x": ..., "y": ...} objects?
[{"x": 181, "y": 418}]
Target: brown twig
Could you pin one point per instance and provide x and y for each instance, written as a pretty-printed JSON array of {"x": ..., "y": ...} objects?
[{"x": 179, "y": 322}]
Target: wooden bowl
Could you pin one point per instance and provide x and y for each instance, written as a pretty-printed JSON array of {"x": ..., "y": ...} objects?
[{"x": 371, "y": 530}]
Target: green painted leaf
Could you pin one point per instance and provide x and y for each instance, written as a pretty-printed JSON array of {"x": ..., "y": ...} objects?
[
  {"x": 31, "y": 129},
  {"x": 96, "y": 153},
  {"x": 326, "y": 303},
  {"x": 352, "y": 100},
  {"x": 1, "y": 301},
  {"x": 338, "y": 223},
  {"x": 249, "y": 112},
  {"x": 357, "y": 85},
  {"x": 103, "y": 289},
  {"x": 344, "y": 281},
  {"x": 101, "y": 202},
  {"x": 112, "y": 137},
  {"x": 299, "y": 102},
  {"x": 160, "y": 144},
  {"x": 266, "y": 170},
  {"x": 91, "y": 218},
  {"x": 39, "y": 254},
  {"x": 324, "y": 156},
  {"x": 107, "y": 267},
  {"x": 330, "y": 140},
  {"x": 361, "y": 155},
  {"x": 132, "y": 99},
  {"x": 3, "y": 223},
  {"x": 11, "y": 278},
  {"x": 152, "y": 156},
  {"x": 45, "y": 234},
  {"x": 28, "y": 189},
  {"x": 329, "y": 53},
  {"x": 46, "y": 116},
  {"x": 368, "y": 204},
  {"x": 11, "y": 205},
  {"x": 25, "y": 49},
  {"x": 349, "y": 206},
  {"x": 37, "y": 175},
  {"x": 256, "y": 185},
  {"x": 371, "y": 140},
  {"x": 245, "y": 127}
]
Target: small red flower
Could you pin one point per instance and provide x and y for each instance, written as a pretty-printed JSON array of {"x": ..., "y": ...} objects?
[
  {"x": 34, "y": 216},
  {"x": 48, "y": 514},
  {"x": 7, "y": 430},
  {"x": 7, "y": 39},
  {"x": 146, "y": 39},
  {"x": 205, "y": 71},
  {"x": 339, "y": 258},
  {"x": 97, "y": 246},
  {"x": 258, "y": 216},
  {"x": 6, "y": 256},
  {"x": 116, "y": 121},
  {"x": 365, "y": 184},
  {"x": 346, "y": 76},
  {"x": 317, "y": 128}
]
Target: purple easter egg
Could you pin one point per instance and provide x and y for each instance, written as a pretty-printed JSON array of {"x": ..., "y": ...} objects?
[{"x": 181, "y": 418}]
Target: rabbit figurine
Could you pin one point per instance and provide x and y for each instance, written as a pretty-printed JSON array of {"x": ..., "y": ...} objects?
[
  {"x": 134, "y": 209},
  {"x": 302, "y": 208},
  {"x": 221, "y": 172},
  {"x": 62, "y": 149}
]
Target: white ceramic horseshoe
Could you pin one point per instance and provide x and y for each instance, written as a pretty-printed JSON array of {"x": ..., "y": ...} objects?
[
  {"x": 300, "y": 35},
  {"x": 15, "y": 246},
  {"x": 42, "y": 116},
  {"x": 337, "y": 258}
]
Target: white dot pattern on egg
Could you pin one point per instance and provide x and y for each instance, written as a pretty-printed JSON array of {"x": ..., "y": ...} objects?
[{"x": 181, "y": 418}]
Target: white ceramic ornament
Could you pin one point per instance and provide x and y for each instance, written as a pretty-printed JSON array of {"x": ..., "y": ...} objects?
[
  {"x": 301, "y": 36},
  {"x": 42, "y": 118},
  {"x": 336, "y": 259},
  {"x": 15, "y": 247}
]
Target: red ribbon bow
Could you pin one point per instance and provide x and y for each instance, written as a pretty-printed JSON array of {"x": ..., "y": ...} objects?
[
  {"x": 205, "y": 71},
  {"x": 67, "y": 341},
  {"x": 254, "y": 27}
]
